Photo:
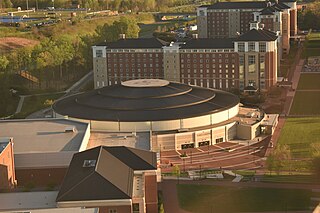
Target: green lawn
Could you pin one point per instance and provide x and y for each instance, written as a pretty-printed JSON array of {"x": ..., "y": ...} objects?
[
  {"x": 207, "y": 199},
  {"x": 11, "y": 104},
  {"x": 309, "y": 52},
  {"x": 290, "y": 179},
  {"x": 35, "y": 103},
  {"x": 306, "y": 103},
  {"x": 309, "y": 81},
  {"x": 299, "y": 133}
]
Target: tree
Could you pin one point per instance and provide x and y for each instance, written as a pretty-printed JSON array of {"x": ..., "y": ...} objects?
[
  {"x": 315, "y": 149},
  {"x": 281, "y": 157},
  {"x": 3, "y": 63},
  {"x": 316, "y": 167},
  {"x": 176, "y": 170},
  {"x": 270, "y": 162},
  {"x": 110, "y": 33}
]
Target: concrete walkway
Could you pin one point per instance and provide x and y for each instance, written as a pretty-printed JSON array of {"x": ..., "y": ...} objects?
[
  {"x": 170, "y": 197},
  {"x": 20, "y": 104}
]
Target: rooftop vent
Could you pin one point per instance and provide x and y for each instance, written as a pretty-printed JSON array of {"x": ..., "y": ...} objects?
[
  {"x": 70, "y": 129},
  {"x": 89, "y": 163}
]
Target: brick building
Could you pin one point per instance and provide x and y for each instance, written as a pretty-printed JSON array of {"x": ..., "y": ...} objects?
[
  {"x": 113, "y": 179},
  {"x": 7, "y": 172},
  {"x": 229, "y": 19},
  {"x": 221, "y": 63}
]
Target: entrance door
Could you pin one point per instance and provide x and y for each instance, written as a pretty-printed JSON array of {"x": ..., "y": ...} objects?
[
  {"x": 204, "y": 143},
  {"x": 186, "y": 146}
]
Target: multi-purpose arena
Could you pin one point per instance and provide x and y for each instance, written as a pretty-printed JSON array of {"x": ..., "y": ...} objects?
[{"x": 176, "y": 115}]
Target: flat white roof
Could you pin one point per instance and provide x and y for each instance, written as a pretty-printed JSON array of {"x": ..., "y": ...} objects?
[
  {"x": 145, "y": 83},
  {"x": 27, "y": 200},
  {"x": 44, "y": 135},
  {"x": 36, "y": 202}
]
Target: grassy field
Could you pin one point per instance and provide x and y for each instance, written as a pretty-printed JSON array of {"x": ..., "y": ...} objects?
[
  {"x": 306, "y": 103},
  {"x": 11, "y": 106},
  {"x": 35, "y": 103},
  {"x": 309, "y": 52},
  {"x": 312, "y": 45},
  {"x": 299, "y": 133},
  {"x": 207, "y": 199},
  {"x": 303, "y": 179},
  {"x": 309, "y": 81}
]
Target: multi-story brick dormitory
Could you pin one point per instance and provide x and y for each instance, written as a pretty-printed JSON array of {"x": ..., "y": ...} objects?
[
  {"x": 229, "y": 19},
  {"x": 222, "y": 63}
]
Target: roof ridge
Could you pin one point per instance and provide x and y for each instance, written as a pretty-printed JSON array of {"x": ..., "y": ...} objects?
[
  {"x": 130, "y": 149},
  {"x": 62, "y": 195},
  {"x": 114, "y": 185}
]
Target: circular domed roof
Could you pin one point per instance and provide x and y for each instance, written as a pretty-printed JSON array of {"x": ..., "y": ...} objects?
[
  {"x": 145, "y": 83},
  {"x": 145, "y": 100}
]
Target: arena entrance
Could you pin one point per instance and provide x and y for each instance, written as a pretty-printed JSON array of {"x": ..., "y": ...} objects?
[
  {"x": 187, "y": 146},
  {"x": 204, "y": 143}
]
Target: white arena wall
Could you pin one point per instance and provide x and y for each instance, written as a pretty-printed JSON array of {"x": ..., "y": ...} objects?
[{"x": 159, "y": 126}]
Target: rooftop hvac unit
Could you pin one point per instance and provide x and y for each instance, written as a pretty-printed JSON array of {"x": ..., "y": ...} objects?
[{"x": 70, "y": 129}]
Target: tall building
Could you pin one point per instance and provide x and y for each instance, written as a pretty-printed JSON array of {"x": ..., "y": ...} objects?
[
  {"x": 230, "y": 19},
  {"x": 221, "y": 63}
]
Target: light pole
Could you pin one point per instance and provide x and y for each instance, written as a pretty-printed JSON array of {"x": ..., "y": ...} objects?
[{"x": 28, "y": 8}]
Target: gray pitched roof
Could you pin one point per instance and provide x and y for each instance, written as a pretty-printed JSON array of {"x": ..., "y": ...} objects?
[
  {"x": 135, "y": 43},
  {"x": 208, "y": 43},
  {"x": 121, "y": 103},
  {"x": 239, "y": 5},
  {"x": 258, "y": 35},
  {"x": 267, "y": 11},
  {"x": 110, "y": 176}
]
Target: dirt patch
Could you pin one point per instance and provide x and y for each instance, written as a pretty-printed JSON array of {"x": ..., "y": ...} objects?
[{"x": 11, "y": 43}]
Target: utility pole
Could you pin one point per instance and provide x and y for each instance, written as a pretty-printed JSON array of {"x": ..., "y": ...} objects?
[
  {"x": 37, "y": 6},
  {"x": 28, "y": 8}
]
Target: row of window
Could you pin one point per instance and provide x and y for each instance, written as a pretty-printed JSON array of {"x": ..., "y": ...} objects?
[
  {"x": 144, "y": 55},
  {"x": 252, "y": 46},
  {"x": 207, "y": 71},
  {"x": 133, "y": 50}
]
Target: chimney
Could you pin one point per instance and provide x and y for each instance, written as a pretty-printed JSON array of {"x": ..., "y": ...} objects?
[
  {"x": 122, "y": 36},
  {"x": 269, "y": 4},
  {"x": 195, "y": 36}
]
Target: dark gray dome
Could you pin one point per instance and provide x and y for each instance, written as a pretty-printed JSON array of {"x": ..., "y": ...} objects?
[{"x": 147, "y": 103}]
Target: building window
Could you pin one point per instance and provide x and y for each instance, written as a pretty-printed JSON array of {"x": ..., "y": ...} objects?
[
  {"x": 251, "y": 46},
  {"x": 241, "y": 47},
  {"x": 112, "y": 211},
  {"x": 135, "y": 208},
  {"x": 262, "y": 66},
  {"x": 262, "y": 47},
  {"x": 252, "y": 83},
  {"x": 99, "y": 53},
  {"x": 252, "y": 63}
]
